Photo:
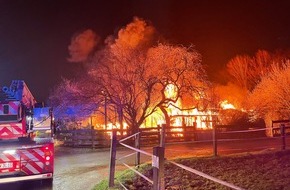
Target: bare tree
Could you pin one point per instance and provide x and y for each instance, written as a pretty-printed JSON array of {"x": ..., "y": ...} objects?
[
  {"x": 247, "y": 71},
  {"x": 135, "y": 81},
  {"x": 132, "y": 73},
  {"x": 270, "y": 99},
  {"x": 71, "y": 96},
  {"x": 240, "y": 69},
  {"x": 179, "y": 68}
]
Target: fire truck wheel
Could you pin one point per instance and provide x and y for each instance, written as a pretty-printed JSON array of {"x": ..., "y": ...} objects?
[{"x": 47, "y": 182}]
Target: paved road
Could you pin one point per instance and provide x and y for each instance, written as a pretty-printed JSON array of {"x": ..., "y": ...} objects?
[{"x": 81, "y": 169}]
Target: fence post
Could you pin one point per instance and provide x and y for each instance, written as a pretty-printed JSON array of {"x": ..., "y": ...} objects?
[
  {"x": 162, "y": 135},
  {"x": 185, "y": 131},
  {"x": 93, "y": 136},
  {"x": 282, "y": 130},
  {"x": 159, "y": 131},
  {"x": 137, "y": 145},
  {"x": 158, "y": 168},
  {"x": 214, "y": 140},
  {"x": 113, "y": 158},
  {"x": 74, "y": 137}
]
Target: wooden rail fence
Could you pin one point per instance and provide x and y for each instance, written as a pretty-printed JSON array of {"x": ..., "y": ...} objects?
[
  {"x": 96, "y": 138},
  {"x": 84, "y": 138},
  {"x": 158, "y": 159},
  {"x": 148, "y": 136}
]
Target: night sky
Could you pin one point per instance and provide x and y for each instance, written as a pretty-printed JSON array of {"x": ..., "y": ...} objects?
[{"x": 35, "y": 34}]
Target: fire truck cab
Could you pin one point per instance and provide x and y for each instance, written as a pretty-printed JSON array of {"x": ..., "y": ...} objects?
[{"x": 26, "y": 136}]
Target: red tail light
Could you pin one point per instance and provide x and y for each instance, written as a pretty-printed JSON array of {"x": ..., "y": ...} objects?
[{"x": 48, "y": 157}]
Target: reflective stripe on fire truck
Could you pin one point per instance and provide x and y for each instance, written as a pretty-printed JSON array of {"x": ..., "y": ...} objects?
[
  {"x": 32, "y": 161},
  {"x": 11, "y": 130},
  {"x": 12, "y": 158}
]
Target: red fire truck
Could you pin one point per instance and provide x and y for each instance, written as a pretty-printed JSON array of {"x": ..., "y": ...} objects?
[{"x": 26, "y": 136}]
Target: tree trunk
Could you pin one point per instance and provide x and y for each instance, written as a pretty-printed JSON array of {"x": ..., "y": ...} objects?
[
  {"x": 120, "y": 119},
  {"x": 167, "y": 118}
]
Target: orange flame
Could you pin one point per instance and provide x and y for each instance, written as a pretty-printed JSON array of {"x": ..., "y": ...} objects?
[{"x": 226, "y": 105}]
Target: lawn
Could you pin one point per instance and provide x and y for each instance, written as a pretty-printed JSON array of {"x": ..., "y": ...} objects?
[{"x": 266, "y": 170}]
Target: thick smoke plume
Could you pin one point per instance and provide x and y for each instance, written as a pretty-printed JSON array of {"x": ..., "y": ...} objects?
[
  {"x": 82, "y": 45},
  {"x": 136, "y": 34}
]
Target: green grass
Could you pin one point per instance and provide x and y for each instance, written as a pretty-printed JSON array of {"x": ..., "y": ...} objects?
[
  {"x": 264, "y": 171},
  {"x": 125, "y": 177}
]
